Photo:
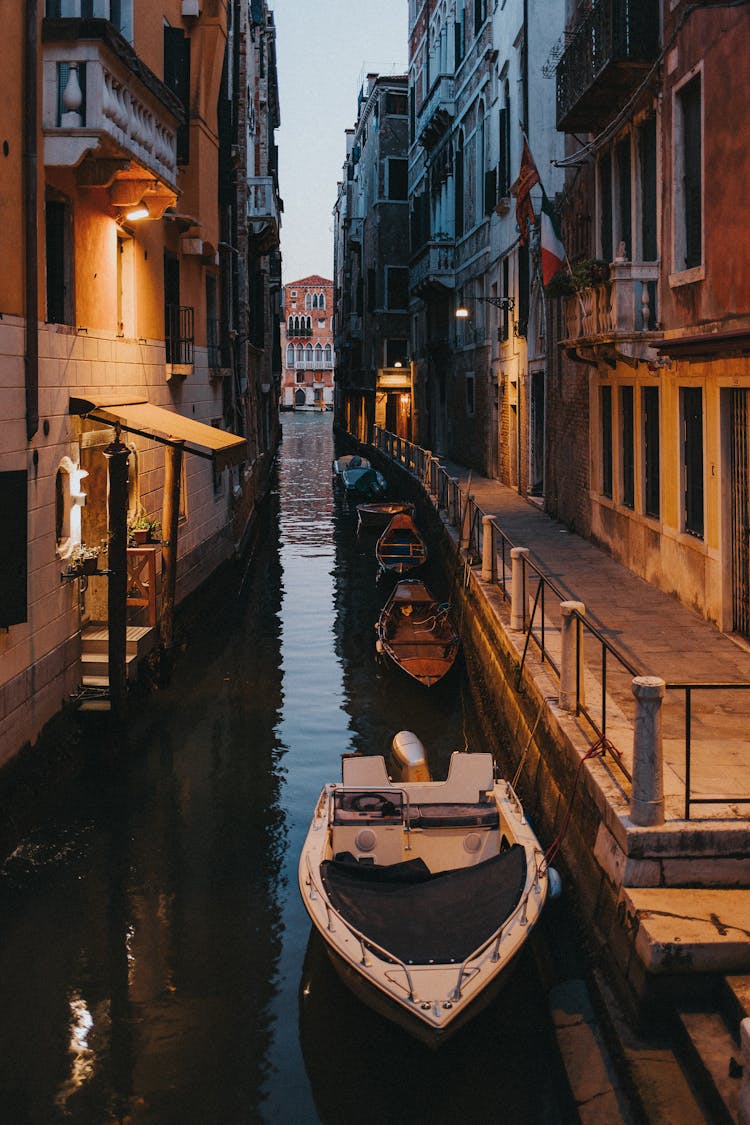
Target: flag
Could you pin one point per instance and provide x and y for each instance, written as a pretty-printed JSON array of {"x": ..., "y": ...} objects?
[
  {"x": 527, "y": 178},
  {"x": 553, "y": 251}
]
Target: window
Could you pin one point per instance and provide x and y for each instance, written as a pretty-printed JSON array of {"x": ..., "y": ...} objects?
[
  {"x": 605, "y": 408},
  {"x": 627, "y": 441},
  {"x": 397, "y": 178},
  {"x": 459, "y": 186},
  {"x": 480, "y": 14},
  {"x": 59, "y": 254},
  {"x": 651, "y": 483},
  {"x": 290, "y": 355},
  {"x": 692, "y": 460},
  {"x": 396, "y": 104},
  {"x": 605, "y": 207},
  {"x": 470, "y": 393},
  {"x": 396, "y": 353},
  {"x": 647, "y": 171},
  {"x": 624, "y": 196},
  {"x": 321, "y": 300},
  {"x": 300, "y": 376},
  {"x": 177, "y": 79},
  {"x": 398, "y": 287},
  {"x": 328, "y": 354},
  {"x": 688, "y": 187}
]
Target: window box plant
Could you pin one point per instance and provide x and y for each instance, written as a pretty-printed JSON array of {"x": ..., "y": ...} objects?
[
  {"x": 84, "y": 559},
  {"x": 142, "y": 529}
]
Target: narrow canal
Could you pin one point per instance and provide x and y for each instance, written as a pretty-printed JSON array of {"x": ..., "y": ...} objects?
[{"x": 157, "y": 964}]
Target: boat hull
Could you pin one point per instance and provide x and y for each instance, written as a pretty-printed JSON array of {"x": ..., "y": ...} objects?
[{"x": 376, "y": 517}]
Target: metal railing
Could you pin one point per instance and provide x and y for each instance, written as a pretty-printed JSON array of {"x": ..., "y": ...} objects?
[{"x": 594, "y": 678}]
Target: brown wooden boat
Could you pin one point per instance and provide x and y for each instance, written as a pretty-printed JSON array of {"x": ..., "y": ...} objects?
[
  {"x": 416, "y": 632},
  {"x": 401, "y": 548},
  {"x": 378, "y": 516}
]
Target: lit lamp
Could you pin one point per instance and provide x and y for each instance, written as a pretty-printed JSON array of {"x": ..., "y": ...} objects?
[
  {"x": 139, "y": 212},
  {"x": 398, "y": 363},
  {"x": 506, "y": 303}
]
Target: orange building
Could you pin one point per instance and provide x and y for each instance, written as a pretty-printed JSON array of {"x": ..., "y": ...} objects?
[
  {"x": 307, "y": 345},
  {"x": 138, "y": 304}
]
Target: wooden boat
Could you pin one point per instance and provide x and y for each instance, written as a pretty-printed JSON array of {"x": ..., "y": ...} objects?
[
  {"x": 378, "y": 516},
  {"x": 349, "y": 461},
  {"x": 367, "y": 482},
  {"x": 401, "y": 548},
  {"x": 423, "y": 891},
  {"x": 416, "y": 632}
]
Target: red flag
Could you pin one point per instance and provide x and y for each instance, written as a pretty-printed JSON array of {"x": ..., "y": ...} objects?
[{"x": 527, "y": 178}]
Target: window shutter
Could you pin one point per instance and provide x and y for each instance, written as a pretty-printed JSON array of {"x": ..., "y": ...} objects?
[
  {"x": 177, "y": 79},
  {"x": 13, "y": 501},
  {"x": 490, "y": 190}
]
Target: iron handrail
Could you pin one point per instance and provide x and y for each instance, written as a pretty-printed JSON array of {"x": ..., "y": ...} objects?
[{"x": 689, "y": 688}]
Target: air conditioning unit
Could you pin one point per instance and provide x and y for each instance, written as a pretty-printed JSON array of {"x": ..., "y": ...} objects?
[{"x": 191, "y": 8}]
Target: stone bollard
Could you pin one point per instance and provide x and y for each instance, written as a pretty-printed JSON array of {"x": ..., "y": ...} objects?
[
  {"x": 744, "y": 1106},
  {"x": 487, "y": 549},
  {"x": 517, "y": 608},
  {"x": 571, "y": 657},
  {"x": 647, "y": 799}
]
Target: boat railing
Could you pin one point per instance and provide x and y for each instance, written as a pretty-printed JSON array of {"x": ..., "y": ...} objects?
[
  {"x": 365, "y": 943},
  {"x": 534, "y": 887}
]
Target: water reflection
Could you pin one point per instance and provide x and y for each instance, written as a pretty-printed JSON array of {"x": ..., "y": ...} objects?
[{"x": 156, "y": 958}]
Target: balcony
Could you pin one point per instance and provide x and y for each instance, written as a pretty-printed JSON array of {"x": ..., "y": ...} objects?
[
  {"x": 617, "y": 319},
  {"x": 608, "y": 55},
  {"x": 263, "y": 211},
  {"x": 437, "y": 111},
  {"x": 433, "y": 267},
  {"x": 102, "y": 103}
]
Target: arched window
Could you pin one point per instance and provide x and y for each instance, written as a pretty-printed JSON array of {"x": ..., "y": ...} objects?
[
  {"x": 315, "y": 301},
  {"x": 308, "y": 354},
  {"x": 318, "y": 354},
  {"x": 291, "y": 325},
  {"x": 300, "y": 355},
  {"x": 328, "y": 354},
  {"x": 290, "y": 355},
  {"x": 308, "y": 323},
  {"x": 308, "y": 301},
  {"x": 322, "y": 301}
]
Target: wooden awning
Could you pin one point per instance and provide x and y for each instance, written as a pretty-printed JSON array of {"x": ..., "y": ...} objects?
[{"x": 167, "y": 427}]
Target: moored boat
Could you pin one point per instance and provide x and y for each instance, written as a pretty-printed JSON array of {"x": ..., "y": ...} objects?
[
  {"x": 423, "y": 891},
  {"x": 401, "y": 548},
  {"x": 416, "y": 632},
  {"x": 374, "y": 517},
  {"x": 349, "y": 461},
  {"x": 367, "y": 482}
]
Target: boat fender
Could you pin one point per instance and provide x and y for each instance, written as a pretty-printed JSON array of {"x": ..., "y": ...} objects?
[
  {"x": 555, "y": 883},
  {"x": 379, "y": 646}
]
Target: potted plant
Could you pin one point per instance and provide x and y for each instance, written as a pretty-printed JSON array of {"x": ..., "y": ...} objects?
[
  {"x": 139, "y": 529},
  {"x": 84, "y": 559}
]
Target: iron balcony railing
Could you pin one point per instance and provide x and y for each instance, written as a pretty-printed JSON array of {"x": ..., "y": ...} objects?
[
  {"x": 604, "y": 61},
  {"x": 179, "y": 335}
]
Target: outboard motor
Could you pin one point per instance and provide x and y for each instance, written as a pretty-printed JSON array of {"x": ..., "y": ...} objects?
[{"x": 408, "y": 759}]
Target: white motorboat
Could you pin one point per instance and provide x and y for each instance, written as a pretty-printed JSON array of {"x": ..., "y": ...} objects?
[{"x": 424, "y": 891}]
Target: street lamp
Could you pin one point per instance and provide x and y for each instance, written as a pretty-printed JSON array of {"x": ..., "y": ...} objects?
[{"x": 506, "y": 303}]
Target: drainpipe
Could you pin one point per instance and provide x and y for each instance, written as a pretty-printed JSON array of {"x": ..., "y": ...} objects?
[{"x": 29, "y": 204}]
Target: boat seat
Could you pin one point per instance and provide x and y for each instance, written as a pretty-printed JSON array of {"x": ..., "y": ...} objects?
[{"x": 364, "y": 769}]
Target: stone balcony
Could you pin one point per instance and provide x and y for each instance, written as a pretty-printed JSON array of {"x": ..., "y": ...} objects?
[
  {"x": 616, "y": 319},
  {"x": 437, "y": 111},
  {"x": 433, "y": 266},
  {"x": 104, "y": 112},
  {"x": 263, "y": 213}
]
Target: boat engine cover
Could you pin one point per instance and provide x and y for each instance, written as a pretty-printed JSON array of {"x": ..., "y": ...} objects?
[{"x": 409, "y": 760}]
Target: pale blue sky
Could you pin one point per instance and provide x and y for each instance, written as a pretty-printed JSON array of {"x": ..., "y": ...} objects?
[{"x": 323, "y": 50}]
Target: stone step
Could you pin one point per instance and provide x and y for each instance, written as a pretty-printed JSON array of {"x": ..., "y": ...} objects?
[
  {"x": 714, "y": 1059},
  {"x": 736, "y": 999},
  {"x": 140, "y": 640}
]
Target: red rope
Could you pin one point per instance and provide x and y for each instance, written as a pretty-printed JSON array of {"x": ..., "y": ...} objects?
[{"x": 597, "y": 750}]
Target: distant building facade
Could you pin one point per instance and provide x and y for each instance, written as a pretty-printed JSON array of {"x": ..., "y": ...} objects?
[
  {"x": 371, "y": 265},
  {"x": 307, "y": 344}
]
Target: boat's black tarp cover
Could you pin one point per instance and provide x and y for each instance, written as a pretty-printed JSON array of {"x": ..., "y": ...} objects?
[{"x": 441, "y": 919}]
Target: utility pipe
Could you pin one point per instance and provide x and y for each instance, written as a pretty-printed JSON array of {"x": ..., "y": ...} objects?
[{"x": 30, "y": 218}]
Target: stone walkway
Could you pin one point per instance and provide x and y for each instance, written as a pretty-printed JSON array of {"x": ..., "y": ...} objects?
[{"x": 659, "y": 636}]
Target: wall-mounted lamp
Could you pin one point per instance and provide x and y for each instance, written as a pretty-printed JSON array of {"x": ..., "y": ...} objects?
[
  {"x": 398, "y": 363},
  {"x": 506, "y": 303},
  {"x": 137, "y": 213}
]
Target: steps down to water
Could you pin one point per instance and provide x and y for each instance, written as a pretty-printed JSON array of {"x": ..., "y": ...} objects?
[
  {"x": 710, "y": 1040},
  {"x": 140, "y": 641}
]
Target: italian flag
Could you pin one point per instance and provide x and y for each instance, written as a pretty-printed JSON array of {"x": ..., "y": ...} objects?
[{"x": 553, "y": 251}]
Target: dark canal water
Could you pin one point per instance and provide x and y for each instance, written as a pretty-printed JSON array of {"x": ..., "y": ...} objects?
[{"x": 156, "y": 964}]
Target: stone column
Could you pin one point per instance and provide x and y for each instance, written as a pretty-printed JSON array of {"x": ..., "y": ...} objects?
[
  {"x": 517, "y": 613},
  {"x": 647, "y": 799},
  {"x": 487, "y": 549},
  {"x": 571, "y": 656},
  {"x": 744, "y": 1106}
]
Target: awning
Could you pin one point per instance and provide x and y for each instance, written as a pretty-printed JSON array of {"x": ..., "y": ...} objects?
[{"x": 166, "y": 426}]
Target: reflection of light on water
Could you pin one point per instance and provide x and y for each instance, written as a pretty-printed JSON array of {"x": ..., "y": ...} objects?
[
  {"x": 82, "y": 1066},
  {"x": 129, "y": 937}
]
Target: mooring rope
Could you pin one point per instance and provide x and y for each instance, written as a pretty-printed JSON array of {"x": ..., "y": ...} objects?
[{"x": 597, "y": 750}]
